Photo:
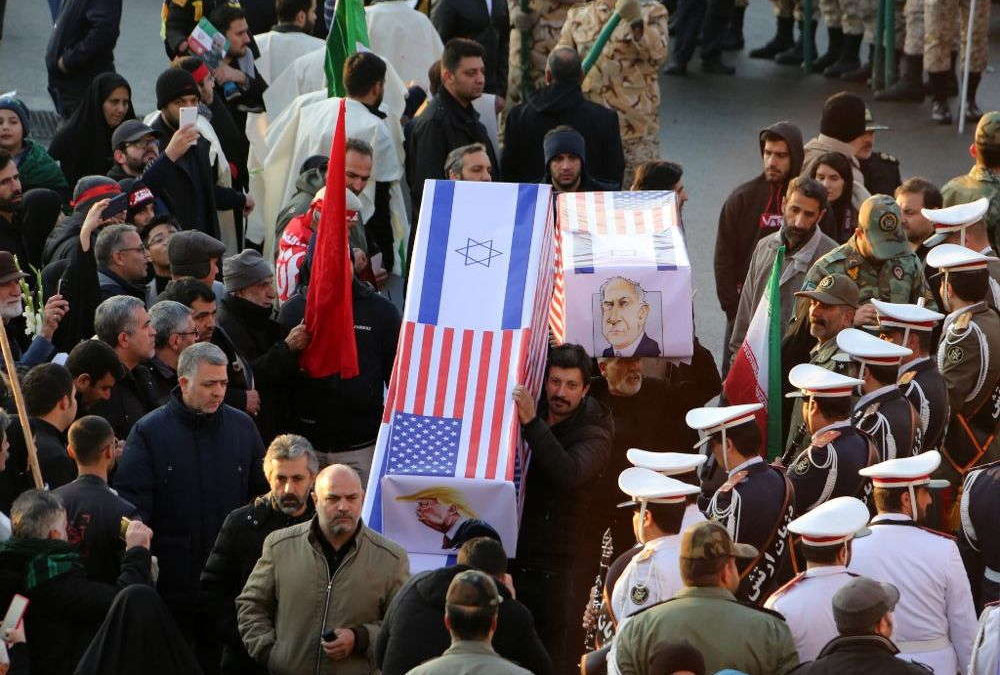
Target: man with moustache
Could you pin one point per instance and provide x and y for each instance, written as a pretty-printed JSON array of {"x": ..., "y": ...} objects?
[
  {"x": 290, "y": 466},
  {"x": 913, "y": 196},
  {"x": 134, "y": 147},
  {"x": 804, "y": 204},
  {"x": 41, "y": 348},
  {"x": 831, "y": 310},
  {"x": 26, "y": 218}
]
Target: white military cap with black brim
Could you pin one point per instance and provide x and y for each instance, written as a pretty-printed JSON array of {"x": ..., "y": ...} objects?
[
  {"x": 954, "y": 219},
  {"x": 906, "y": 317},
  {"x": 812, "y": 380},
  {"x": 645, "y": 486},
  {"x": 666, "y": 463},
  {"x": 906, "y": 472},
  {"x": 708, "y": 421},
  {"x": 869, "y": 350},
  {"x": 832, "y": 522}
]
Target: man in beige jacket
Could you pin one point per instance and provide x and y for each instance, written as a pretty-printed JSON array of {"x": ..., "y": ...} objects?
[{"x": 336, "y": 579}]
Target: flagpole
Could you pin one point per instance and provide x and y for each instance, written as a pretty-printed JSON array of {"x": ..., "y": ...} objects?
[{"x": 22, "y": 412}]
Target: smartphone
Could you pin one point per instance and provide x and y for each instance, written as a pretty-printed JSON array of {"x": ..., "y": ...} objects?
[
  {"x": 15, "y": 612},
  {"x": 328, "y": 636},
  {"x": 189, "y": 115},
  {"x": 118, "y": 204}
]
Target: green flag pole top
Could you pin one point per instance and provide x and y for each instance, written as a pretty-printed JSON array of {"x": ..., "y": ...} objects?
[
  {"x": 349, "y": 30},
  {"x": 602, "y": 39},
  {"x": 774, "y": 398}
]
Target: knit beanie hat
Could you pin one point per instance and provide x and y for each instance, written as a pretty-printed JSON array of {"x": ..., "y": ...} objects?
[
  {"x": 244, "y": 269},
  {"x": 174, "y": 83},
  {"x": 190, "y": 253},
  {"x": 91, "y": 189},
  {"x": 843, "y": 117},
  {"x": 17, "y": 106},
  {"x": 560, "y": 141}
]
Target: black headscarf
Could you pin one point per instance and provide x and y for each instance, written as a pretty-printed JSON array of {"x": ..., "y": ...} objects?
[
  {"x": 841, "y": 218},
  {"x": 138, "y": 636},
  {"x": 83, "y": 144}
]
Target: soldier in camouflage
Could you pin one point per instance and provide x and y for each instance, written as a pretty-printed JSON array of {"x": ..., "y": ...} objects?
[
  {"x": 831, "y": 309},
  {"x": 945, "y": 23},
  {"x": 983, "y": 179},
  {"x": 625, "y": 76},
  {"x": 543, "y": 22},
  {"x": 878, "y": 259}
]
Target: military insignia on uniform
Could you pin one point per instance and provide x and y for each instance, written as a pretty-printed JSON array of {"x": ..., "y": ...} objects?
[
  {"x": 907, "y": 377},
  {"x": 955, "y": 354},
  {"x": 853, "y": 273},
  {"x": 733, "y": 481},
  {"x": 801, "y": 467},
  {"x": 888, "y": 222},
  {"x": 897, "y": 271},
  {"x": 639, "y": 594},
  {"x": 826, "y": 283}
]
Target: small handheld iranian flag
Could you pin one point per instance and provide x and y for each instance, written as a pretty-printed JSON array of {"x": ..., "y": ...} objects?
[{"x": 755, "y": 373}]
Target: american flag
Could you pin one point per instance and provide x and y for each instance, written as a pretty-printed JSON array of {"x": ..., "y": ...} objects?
[
  {"x": 621, "y": 213},
  {"x": 473, "y": 328}
]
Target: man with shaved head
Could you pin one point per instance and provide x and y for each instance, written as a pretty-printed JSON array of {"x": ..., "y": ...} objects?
[{"x": 355, "y": 570}]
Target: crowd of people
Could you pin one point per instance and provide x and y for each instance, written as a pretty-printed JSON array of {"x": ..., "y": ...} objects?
[{"x": 177, "y": 495}]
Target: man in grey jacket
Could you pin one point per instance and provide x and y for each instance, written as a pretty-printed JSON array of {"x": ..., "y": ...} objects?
[
  {"x": 803, "y": 207},
  {"x": 471, "y": 617},
  {"x": 336, "y": 579}
]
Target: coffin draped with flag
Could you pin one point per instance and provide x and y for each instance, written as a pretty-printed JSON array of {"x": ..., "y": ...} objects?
[
  {"x": 635, "y": 237},
  {"x": 474, "y": 326}
]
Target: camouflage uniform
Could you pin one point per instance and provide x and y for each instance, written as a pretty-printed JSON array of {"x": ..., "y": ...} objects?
[
  {"x": 626, "y": 76},
  {"x": 980, "y": 181},
  {"x": 551, "y": 14},
  {"x": 946, "y": 22},
  {"x": 913, "y": 22}
]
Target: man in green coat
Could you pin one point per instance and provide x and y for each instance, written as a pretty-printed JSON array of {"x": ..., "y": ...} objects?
[{"x": 705, "y": 613}]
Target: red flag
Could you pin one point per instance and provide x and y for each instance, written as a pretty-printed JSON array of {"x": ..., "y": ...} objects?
[{"x": 329, "y": 309}]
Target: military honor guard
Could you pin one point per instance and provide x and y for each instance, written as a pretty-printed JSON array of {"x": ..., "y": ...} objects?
[
  {"x": 882, "y": 412},
  {"x": 969, "y": 359},
  {"x": 965, "y": 225},
  {"x": 824, "y": 535},
  {"x": 912, "y": 326},
  {"x": 829, "y": 467},
  {"x": 979, "y": 511},
  {"x": 935, "y": 621},
  {"x": 756, "y": 502},
  {"x": 653, "y": 574}
]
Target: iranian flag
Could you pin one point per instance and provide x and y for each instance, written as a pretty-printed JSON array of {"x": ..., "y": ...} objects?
[
  {"x": 755, "y": 373},
  {"x": 348, "y": 34}
]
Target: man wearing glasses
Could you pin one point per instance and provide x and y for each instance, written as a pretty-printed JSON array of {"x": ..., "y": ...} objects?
[
  {"x": 134, "y": 147},
  {"x": 121, "y": 262},
  {"x": 175, "y": 331}
]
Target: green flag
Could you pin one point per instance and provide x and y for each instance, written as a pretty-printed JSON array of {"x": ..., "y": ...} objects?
[
  {"x": 774, "y": 397},
  {"x": 347, "y": 32}
]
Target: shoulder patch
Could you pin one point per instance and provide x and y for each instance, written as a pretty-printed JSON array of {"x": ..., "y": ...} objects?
[
  {"x": 961, "y": 322},
  {"x": 940, "y": 534},
  {"x": 955, "y": 354},
  {"x": 827, "y": 438},
  {"x": 733, "y": 481},
  {"x": 889, "y": 158},
  {"x": 907, "y": 377}
]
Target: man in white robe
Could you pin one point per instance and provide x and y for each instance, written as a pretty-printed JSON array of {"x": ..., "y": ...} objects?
[
  {"x": 405, "y": 38},
  {"x": 289, "y": 39}
]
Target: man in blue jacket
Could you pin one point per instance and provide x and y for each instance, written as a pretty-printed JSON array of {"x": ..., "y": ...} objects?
[{"x": 186, "y": 465}]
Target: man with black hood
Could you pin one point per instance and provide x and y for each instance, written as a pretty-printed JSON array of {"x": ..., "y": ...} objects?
[
  {"x": 752, "y": 211},
  {"x": 561, "y": 102},
  {"x": 566, "y": 162},
  {"x": 413, "y": 632},
  {"x": 842, "y": 129}
]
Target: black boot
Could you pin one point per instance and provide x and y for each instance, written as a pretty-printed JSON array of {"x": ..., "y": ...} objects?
[
  {"x": 781, "y": 41},
  {"x": 952, "y": 83},
  {"x": 848, "y": 59},
  {"x": 795, "y": 55},
  {"x": 972, "y": 110},
  {"x": 938, "y": 86},
  {"x": 862, "y": 72},
  {"x": 733, "y": 42},
  {"x": 835, "y": 41},
  {"x": 910, "y": 85}
]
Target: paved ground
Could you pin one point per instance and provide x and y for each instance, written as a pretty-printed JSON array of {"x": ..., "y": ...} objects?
[{"x": 709, "y": 123}]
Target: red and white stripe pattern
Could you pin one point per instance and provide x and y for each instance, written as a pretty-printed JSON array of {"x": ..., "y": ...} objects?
[
  {"x": 462, "y": 374},
  {"x": 624, "y": 213}
]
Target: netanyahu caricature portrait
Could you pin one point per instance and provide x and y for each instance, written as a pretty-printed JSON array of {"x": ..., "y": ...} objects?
[{"x": 624, "y": 311}]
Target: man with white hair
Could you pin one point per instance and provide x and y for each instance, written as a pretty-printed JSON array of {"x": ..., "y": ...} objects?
[
  {"x": 41, "y": 348},
  {"x": 624, "y": 310},
  {"x": 175, "y": 332},
  {"x": 186, "y": 466}
]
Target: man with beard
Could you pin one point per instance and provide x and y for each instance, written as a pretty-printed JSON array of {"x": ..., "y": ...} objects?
[
  {"x": 290, "y": 466},
  {"x": 94, "y": 512},
  {"x": 41, "y": 348},
  {"x": 333, "y": 556},
  {"x": 26, "y": 218},
  {"x": 935, "y": 623},
  {"x": 290, "y": 38},
  {"x": 237, "y": 79},
  {"x": 648, "y": 414},
  {"x": 803, "y": 207},
  {"x": 913, "y": 196},
  {"x": 95, "y": 369},
  {"x": 752, "y": 211},
  {"x": 566, "y": 162},
  {"x": 831, "y": 310},
  {"x": 134, "y": 147}
]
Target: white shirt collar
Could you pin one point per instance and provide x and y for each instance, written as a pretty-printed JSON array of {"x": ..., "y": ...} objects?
[
  {"x": 750, "y": 462},
  {"x": 910, "y": 365},
  {"x": 825, "y": 571},
  {"x": 453, "y": 530},
  {"x": 630, "y": 349},
  {"x": 870, "y": 396},
  {"x": 900, "y": 517}
]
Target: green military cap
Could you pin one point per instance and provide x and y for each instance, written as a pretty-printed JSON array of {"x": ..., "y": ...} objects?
[
  {"x": 880, "y": 220},
  {"x": 834, "y": 289},
  {"x": 708, "y": 540},
  {"x": 988, "y": 129}
]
